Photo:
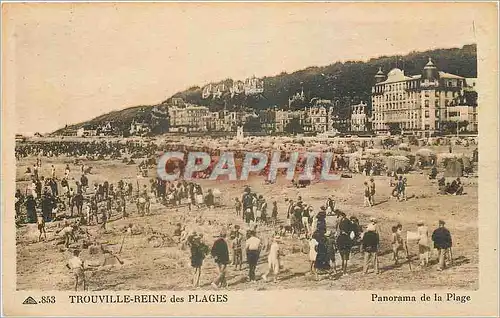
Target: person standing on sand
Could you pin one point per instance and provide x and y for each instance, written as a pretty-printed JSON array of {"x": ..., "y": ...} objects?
[
  {"x": 290, "y": 209},
  {"x": 397, "y": 242},
  {"x": 30, "y": 204},
  {"x": 237, "y": 206},
  {"x": 322, "y": 261},
  {"x": 247, "y": 202},
  {"x": 76, "y": 265},
  {"x": 313, "y": 253},
  {"x": 369, "y": 246},
  {"x": 220, "y": 253},
  {"x": 344, "y": 241},
  {"x": 198, "y": 252},
  {"x": 104, "y": 219},
  {"x": 305, "y": 221},
  {"x": 66, "y": 172},
  {"x": 330, "y": 205},
  {"x": 123, "y": 206},
  {"x": 423, "y": 243},
  {"x": 372, "y": 191},
  {"x": 273, "y": 260},
  {"x": 274, "y": 215},
  {"x": 248, "y": 216},
  {"x": 41, "y": 227},
  {"x": 252, "y": 248},
  {"x": 237, "y": 249},
  {"x": 442, "y": 241},
  {"x": 366, "y": 201},
  {"x": 331, "y": 249}
]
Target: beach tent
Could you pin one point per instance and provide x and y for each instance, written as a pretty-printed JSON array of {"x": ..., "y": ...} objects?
[
  {"x": 399, "y": 164},
  {"x": 467, "y": 164},
  {"x": 425, "y": 155},
  {"x": 404, "y": 146},
  {"x": 445, "y": 156},
  {"x": 454, "y": 167}
]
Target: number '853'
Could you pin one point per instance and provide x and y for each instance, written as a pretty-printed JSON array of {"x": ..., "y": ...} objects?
[{"x": 48, "y": 299}]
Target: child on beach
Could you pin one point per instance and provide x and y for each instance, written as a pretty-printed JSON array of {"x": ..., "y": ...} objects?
[{"x": 76, "y": 265}]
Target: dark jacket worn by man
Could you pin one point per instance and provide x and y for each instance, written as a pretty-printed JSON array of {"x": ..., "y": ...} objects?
[{"x": 442, "y": 238}]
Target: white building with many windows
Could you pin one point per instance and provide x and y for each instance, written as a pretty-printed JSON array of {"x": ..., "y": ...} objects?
[
  {"x": 188, "y": 118},
  {"x": 416, "y": 104},
  {"x": 359, "y": 117}
]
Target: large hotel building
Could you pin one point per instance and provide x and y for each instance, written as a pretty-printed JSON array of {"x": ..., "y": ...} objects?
[{"x": 420, "y": 104}]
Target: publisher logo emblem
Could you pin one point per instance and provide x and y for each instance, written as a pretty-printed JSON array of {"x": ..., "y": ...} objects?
[{"x": 29, "y": 301}]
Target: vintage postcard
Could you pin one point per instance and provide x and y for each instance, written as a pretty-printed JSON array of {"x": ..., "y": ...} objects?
[{"x": 250, "y": 159}]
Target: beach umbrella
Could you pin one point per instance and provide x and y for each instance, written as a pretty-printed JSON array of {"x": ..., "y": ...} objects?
[
  {"x": 404, "y": 146},
  {"x": 425, "y": 152},
  {"x": 441, "y": 157}
]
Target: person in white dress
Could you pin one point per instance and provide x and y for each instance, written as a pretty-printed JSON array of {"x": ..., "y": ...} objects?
[
  {"x": 423, "y": 243},
  {"x": 273, "y": 260},
  {"x": 313, "y": 243}
]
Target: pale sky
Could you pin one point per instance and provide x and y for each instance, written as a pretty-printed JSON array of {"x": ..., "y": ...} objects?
[{"x": 71, "y": 62}]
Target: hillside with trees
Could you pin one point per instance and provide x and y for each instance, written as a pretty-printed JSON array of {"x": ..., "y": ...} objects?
[{"x": 343, "y": 83}]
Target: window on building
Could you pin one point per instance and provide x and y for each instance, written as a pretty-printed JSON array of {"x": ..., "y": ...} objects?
[
  {"x": 426, "y": 93},
  {"x": 426, "y": 114},
  {"x": 437, "y": 94},
  {"x": 427, "y": 127},
  {"x": 426, "y": 103},
  {"x": 437, "y": 113},
  {"x": 446, "y": 102},
  {"x": 436, "y": 103}
]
